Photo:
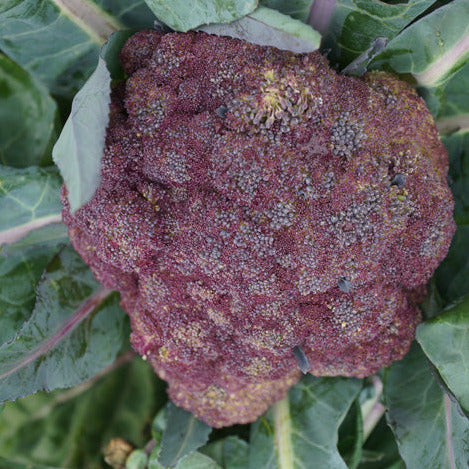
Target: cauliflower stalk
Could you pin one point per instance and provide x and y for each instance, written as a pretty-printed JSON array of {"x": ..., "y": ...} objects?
[{"x": 260, "y": 214}]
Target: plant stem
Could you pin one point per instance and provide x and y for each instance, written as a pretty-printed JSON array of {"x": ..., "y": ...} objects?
[
  {"x": 76, "y": 318},
  {"x": 373, "y": 411},
  {"x": 94, "y": 21},
  {"x": 283, "y": 431},
  {"x": 18, "y": 232},
  {"x": 437, "y": 71},
  {"x": 451, "y": 124}
]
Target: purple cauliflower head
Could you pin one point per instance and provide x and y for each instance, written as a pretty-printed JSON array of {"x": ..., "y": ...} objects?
[{"x": 260, "y": 214}]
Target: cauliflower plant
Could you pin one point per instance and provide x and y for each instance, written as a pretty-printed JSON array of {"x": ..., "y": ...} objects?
[{"x": 260, "y": 214}]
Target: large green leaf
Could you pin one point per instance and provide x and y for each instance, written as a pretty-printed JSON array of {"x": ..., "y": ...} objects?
[
  {"x": 183, "y": 434},
  {"x": 197, "y": 461},
  {"x": 303, "y": 427},
  {"x": 452, "y": 111},
  {"x": 433, "y": 48},
  {"x": 26, "y": 117},
  {"x": 48, "y": 236},
  {"x": 231, "y": 452},
  {"x": 380, "y": 449},
  {"x": 133, "y": 14},
  {"x": 270, "y": 28},
  {"x": 29, "y": 199},
  {"x": 429, "y": 429},
  {"x": 79, "y": 149},
  {"x": 354, "y": 24},
  {"x": 75, "y": 330},
  {"x": 298, "y": 9},
  {"x": 458, "y": 149},
  {"x": 194, "y": 460},
  {"x": 452, "y": 275},
  {"x": 69, "y": 428},
  {"x": 445, "y": 341},
  {"x": 182, "y": 15},
  {"x": 58, "y": 42},
  {"x": 19, "y": 276},
  {"x": 351, "y": 436},
  {"x": 80, "y": 146}
]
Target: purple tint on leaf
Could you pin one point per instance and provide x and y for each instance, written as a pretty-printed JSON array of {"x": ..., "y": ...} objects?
[{"x": 320, "y": 15}]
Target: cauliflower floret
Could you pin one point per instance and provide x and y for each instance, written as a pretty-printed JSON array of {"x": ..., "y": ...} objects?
[{"x": 257, "y": 209}]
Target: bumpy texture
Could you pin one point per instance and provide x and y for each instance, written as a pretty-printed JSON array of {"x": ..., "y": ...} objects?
[{"x": 252, "y": 202}]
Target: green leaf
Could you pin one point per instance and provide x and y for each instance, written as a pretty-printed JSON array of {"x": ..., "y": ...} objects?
[
  {"x": 80, "y": 147},
  {"x": 453, "y": 103},
  {"x": 48, "y": 236},
  {"x": 197, "y": 461},
  {"x": 69, "y": 428},
  {"x": 451, "y": 276},
  {"x": 183, "y": 434},
  {"x": 428, "y": 427},
  {"x": 181, "y": 15},
  {"x": 236, "y": 453},
  {"x": 298, "y": 9},
  {"x": 57, "y": 42},
  {"x": 433, "y": 48},
  {"x": 75, "y": 330},
  {"x": 133, "y": 14},
  {"x": 445, "y": 341},
  {"x": 137, "y": 459},
  {"x": 303, "y": 427},
  {"x": 351, "y": 436},
  {"x": 270, "y": 28},
  {"x": 110, "y": 53},
  {"x": 355, "y": 24},
  {"x": 26, "y": 117},
  {"x": 19, "y": 276},
  {"x": 29, "y": 199},
  {"x": 231, "y": 452},
  {"x": 458, "y": 149},
  {"x": 380, "y": 450}
]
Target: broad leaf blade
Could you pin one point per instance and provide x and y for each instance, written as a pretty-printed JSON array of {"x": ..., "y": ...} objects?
[
  {"x": 298, "y": 9},
  {"x": 76, "y": 329},
  {"x": 236, "y": 453},
  {"x": 19, "y": 275},
  {"x": 197, "y": 461},
  {"x": 138, "y": 459},
  {"x": 433, "y": 48},
  {"x": 304, "y": 426},
  {"x": 29, "y": 199},
  {"x": 451, "y": 276},
  {"x": 380, "y": 450},
  {"x": 429, "y": 430},
  {"x": 26, "y": 117},
  {"x": 444, "y": 339},
  {"x": 48, "y": 236},
  {"x": 69, "y": 428},
  {"x": 354, "y": 24},
  {"x": 268, "y": 27},
  {"x": 55, "y": 44},
  {"x": 351, "y": 436},
  {"x": 183, "y": 434},
  {"x": 133, "y": 14},
  {"x": 80, "y": 147},
  {"x": 181, "y": 15},
  {"x": 453, "y": 103}
]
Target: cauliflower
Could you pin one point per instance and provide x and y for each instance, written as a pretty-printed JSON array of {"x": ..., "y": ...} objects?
[{"x": 261, "y": 214}]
